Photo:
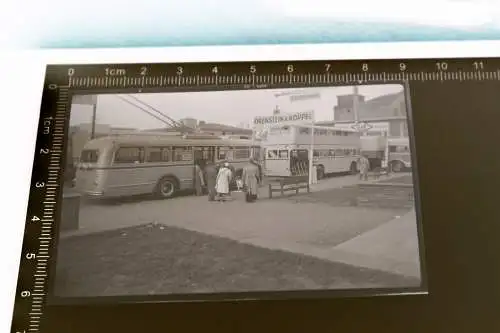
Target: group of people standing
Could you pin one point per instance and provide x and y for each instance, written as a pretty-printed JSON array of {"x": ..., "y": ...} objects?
[{"x": 215, "y": 180}]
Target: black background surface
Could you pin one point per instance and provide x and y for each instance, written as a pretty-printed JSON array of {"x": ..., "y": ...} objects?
[{"x": 456, "y": 126}]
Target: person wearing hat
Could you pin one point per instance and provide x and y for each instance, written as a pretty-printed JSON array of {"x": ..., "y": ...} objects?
[{"x": 224, "y": 177}]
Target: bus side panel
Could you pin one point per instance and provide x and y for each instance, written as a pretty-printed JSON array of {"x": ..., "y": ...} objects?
[
  {"x": 277, "y": 168},
  {"x": 143, "y": 178},
  {"x": 183, "y": 171},
  {"x": 127, "y": 179}
]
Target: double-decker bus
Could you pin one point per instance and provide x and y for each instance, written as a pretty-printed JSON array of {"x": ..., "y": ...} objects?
[
  {"x": 286, "y": 150},
  {"x": 126, "y": 165}
]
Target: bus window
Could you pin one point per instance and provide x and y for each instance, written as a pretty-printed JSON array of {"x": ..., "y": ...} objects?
[
  {"x": 241, "y": 153},
  {"x": 283, "y": 153},
  {"x": 222, "y": 153},
  {"x": 321, "y": 132},
  {"x": 302, "y": 154},
  {"x": 230, "y": 154},
  {"x": 157, "y": 154},
  {"x": 128, "y": 155},
  {"x": 339, "y": 152},
  {"x": 398, "y": 149},
  {"x": 304, "y": 130},
  {"x": 89, "y": 156},
  {"x": 183, "y": 154},
  {"x": 331, "y": 152},
  {"x": 272, "y": 153},
  {"x": 166, "y": 154},
  {"x": 316, "y": 153},
  {"x": 347, "y": 152}
]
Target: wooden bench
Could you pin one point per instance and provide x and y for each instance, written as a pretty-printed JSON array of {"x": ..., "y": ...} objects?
[{"x": 286, "y": 184}]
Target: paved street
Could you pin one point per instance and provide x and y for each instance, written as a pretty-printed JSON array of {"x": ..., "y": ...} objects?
[{"x": 319, "y": 224}]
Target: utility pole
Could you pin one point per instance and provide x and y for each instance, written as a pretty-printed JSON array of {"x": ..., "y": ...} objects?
[
  {"x": 355, "y": 104},
  {"x": 94, "y": 116}
]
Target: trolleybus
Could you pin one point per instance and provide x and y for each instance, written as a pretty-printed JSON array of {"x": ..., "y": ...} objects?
[{"x": 126, "y": 165}]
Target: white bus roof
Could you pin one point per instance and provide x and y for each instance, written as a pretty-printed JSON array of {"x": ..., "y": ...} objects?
[
  {"x": 164, "y": 140},
  {"x": 331, "y": 128}
]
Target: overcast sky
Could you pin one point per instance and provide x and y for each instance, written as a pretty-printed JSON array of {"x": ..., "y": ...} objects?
[{"x": 224, "y": 107}]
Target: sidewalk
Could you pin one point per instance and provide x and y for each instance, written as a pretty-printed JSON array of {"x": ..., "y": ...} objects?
[
  {"x": 364, "y": 237},
  {"x": 390, "y": 247}
]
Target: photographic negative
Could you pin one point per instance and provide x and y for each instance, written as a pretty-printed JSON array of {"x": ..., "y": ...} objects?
[{"x": 197, "y": 193}]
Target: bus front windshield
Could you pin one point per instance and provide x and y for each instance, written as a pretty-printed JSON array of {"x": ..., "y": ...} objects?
[{"x": 89, "y": 156}]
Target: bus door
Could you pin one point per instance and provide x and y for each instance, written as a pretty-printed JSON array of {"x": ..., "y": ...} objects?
[{"x": 299, "y": 162}]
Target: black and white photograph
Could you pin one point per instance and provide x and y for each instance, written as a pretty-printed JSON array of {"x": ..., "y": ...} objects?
[{"x": 239, "y": 191}]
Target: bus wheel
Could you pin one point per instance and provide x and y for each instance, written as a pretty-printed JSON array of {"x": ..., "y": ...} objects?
[
  {"x": 354, "y": 168},
  {"x": 166, "y": 188},
  {"x": 397, "y": 166},
  {"x": 320, "y": 172}
]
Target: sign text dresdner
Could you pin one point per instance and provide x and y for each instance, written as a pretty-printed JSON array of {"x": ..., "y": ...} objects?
[{"x": 283, "y": 118}]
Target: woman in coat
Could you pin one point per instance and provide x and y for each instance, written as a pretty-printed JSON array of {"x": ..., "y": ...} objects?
[
  {"x": 251, "y": 177},
  {"x": 224, "y": 177},
  {"x": 211, "y": 179}
]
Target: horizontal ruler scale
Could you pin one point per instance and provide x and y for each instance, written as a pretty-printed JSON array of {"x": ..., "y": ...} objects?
[{"x": 272, "y": 79}]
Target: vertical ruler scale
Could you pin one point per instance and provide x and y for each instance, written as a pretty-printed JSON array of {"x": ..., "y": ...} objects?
[{"x": 43, "y": 201}]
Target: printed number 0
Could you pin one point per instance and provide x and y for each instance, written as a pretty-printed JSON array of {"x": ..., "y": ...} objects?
[
  {"x": 25, "y": 293},
  {"x": 364, "y": 67},
  {"x": 52, "y": 86}
]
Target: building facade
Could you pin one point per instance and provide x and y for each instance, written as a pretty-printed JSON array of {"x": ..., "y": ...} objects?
[{"x": 389, "y": 109}]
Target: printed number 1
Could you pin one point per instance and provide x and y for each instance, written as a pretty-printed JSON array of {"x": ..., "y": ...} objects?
[{"x": 478, "y": 65}]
